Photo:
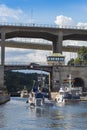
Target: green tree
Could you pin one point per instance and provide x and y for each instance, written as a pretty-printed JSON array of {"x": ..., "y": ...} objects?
[
  {"x": 71, "y": 62},
  {"x": 82, "y": 54},
  {"x": 81, "y": 59},
  {"x": 77, "y": 61},
  {"x": 15, "y": 81}
]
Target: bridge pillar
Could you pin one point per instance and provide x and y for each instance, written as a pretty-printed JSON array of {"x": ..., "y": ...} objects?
[
  {"x": 2, "y": 59},
  {"x": 2, "y": 47},
  {"x": 57, "y": 45},
  {"x": 2, "y": 77}
]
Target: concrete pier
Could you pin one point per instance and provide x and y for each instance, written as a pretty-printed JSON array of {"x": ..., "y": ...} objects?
[{"x": 1, "y": 76}]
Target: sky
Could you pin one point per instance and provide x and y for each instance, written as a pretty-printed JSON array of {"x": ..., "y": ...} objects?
[{"x": 51, "y": 12}]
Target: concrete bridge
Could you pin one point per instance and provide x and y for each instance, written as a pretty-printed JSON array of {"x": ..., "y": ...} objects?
[
  {"x": 38, "y": 46},
  {"x": 55, "y": 34}
]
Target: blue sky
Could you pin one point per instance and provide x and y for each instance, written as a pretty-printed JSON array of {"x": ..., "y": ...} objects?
[
  {"x": 45, "y": 11},
  {"x": 60, "y": 12}
]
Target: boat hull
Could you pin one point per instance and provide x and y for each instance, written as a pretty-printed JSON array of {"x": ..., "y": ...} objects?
[{"x": 69, "y": 99}]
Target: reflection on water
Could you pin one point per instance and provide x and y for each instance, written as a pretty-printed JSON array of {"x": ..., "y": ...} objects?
[{"x": 16, "y": 115}]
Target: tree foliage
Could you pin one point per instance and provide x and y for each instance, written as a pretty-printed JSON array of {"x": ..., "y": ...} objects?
[
  {"x": 71, "y": 62},
  {"x": 82, "y": 54},
  {"x": 15, "y": 81},
  {"x": 81, "y": 59}
]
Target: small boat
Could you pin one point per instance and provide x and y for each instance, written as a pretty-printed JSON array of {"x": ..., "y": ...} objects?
[
  {"x": 36, "y": 99},
  {"x": 66, "y": 97},
  {"x": 24, "y": 93},
  {"x": 39, "y": 95},
  {"x": 67, "y": 94},
  {"x": 39, "y": 99}
]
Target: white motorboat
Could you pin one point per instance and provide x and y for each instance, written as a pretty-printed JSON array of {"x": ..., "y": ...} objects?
[
  {"x": 60, "y": 96},
  {"x": 67, "y": 94}
]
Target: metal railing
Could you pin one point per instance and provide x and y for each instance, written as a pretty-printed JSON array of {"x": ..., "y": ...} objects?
[
  {"x": 25, "y": 63},
  {"x": 43, "y": 25}
]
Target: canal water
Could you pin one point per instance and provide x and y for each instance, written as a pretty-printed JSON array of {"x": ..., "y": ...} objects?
[{"x": 16, "y": 115}]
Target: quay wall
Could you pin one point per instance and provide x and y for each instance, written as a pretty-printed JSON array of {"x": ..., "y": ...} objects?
[
  {"x": 1, "y": 76},
  {"x": 77, "y": 72}
]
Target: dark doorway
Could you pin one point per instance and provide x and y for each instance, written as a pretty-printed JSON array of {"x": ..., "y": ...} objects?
[{"x": 78, "y": 82}]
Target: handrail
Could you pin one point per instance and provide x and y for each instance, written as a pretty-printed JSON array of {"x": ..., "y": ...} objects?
[
  {"x": 24, "y": 63},
  {"x": 43, "y": 25}
]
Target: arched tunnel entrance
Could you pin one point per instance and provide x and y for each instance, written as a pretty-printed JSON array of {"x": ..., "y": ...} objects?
[{"x": 78, "y": 82}]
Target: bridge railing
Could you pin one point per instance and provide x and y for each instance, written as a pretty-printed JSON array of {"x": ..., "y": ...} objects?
[
  {"x": 43, "y": 25},
  {"x": 24, "y": 63}
]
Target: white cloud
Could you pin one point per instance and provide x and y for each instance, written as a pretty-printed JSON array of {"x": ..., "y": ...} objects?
[
  {"x": 82, "y": 25},
  {"x": 38, "y": 56},
  {"x": 14, "y": 55},
  {"x": 7, "y": 13},
  {"x": 63, "y": 20}
]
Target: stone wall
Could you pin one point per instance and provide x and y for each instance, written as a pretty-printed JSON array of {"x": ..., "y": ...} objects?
[{"x": 75, "y": 71}]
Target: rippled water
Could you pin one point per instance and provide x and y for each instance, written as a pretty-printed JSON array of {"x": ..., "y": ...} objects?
[{"x": 16, "y": 115}]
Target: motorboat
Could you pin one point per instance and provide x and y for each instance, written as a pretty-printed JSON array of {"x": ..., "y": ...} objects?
[
  {"x": 66, "y": 97},
  {"x": 36, "y": 99},
  {"x": 67, "y": 94},
  {"x": 39, "y": 95},
  {"x": 39, "y": 99}
]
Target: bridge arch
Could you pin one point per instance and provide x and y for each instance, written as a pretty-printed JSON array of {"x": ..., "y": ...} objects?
[{"x": 79, "y": 82}]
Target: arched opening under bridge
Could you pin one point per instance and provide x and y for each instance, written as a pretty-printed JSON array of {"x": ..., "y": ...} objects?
[{"x": 78, "y": 82}]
